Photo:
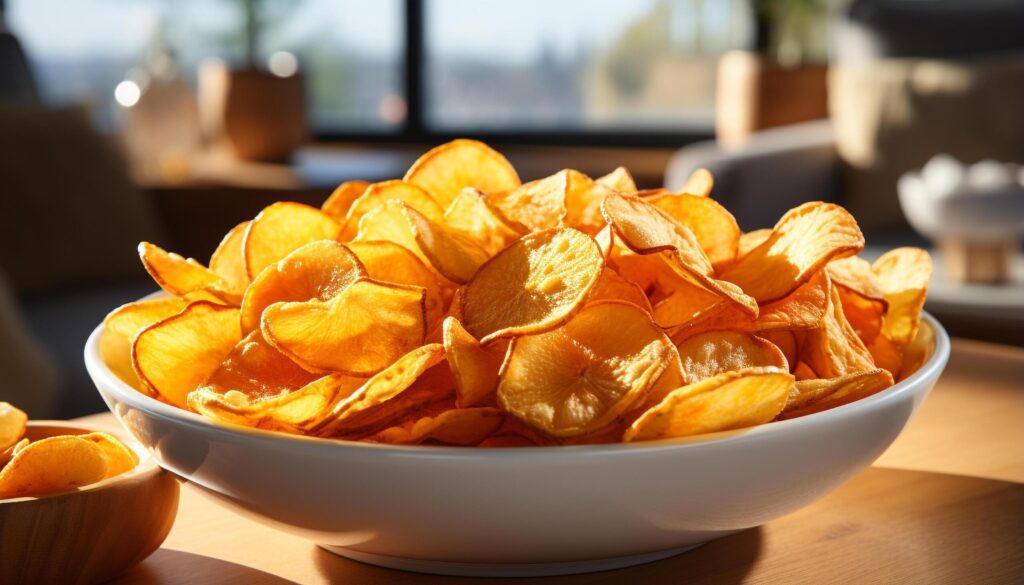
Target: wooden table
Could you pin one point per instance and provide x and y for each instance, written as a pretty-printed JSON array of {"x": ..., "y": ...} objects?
[{"x": 945, "y": 504}]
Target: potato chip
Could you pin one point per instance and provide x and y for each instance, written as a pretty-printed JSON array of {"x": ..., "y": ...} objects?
[
  {"x": 785, "y": 340},
  {"x": 7, "y": 454},
  {"x": 449, "y": 168},
  {"x": 583, "y": 199},
  {"x": 378, "y": 193},
  {"x": 540, "y": 204},
  {"x": 228, "y": 260},
  {"x": 291, "y": 411},
  {"x": 51, "y": 465},
  {"x": 887, "y": 355},
  {"x": 474, "y": 367},
  {"x": 810, "y": 396},
  {"x": 184, "y": 276},
  {"x": 732, "y": 400},
  {"x": 802, "y": 242},
  {"x": 280, "y": 229},
  {"x": 619, "y": 180},
  {"x": 751, "y": 240},
  {"x": 341, "y": 199},
  {"x": 862, "y": 299},
  {"x": 531, "y": 286},
  {"x": 316, "y": 271},
  {"x": 358, "y": 332},
  {"x": 389, "y": 262},
  {"x": 122, "y": 325},
  {"x": 645, "y": 229},
  {"x": 119, "y": 457},
  {"x": 257, "y": 370},
  {"x": 455, "y": 426},
  {"x": 456, "y": 256},
  {"x": 903, "y": 275},
  {"x": 833, "y": 349},
  {"x": 577, "y": 379},
  {"x": 714, "y": 227},
  {"x": 473, "y": 214},
  {"x": 611, "y": 286},
  {"x": 387, "y": 395},
  {"x": 174, "y": 355},
  {"x": 12, "y": 425},
  {"x": 388, "y": 223},
  {"x": 709, "y": 354},
  {"x": 699, "y": 183}
]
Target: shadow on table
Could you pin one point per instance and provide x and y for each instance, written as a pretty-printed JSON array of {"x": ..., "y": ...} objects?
[
  {"x": 724, "y": 561},
  {"x": 189, "y": 567}
]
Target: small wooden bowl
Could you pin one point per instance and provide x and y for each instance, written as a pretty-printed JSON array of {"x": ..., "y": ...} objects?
[{"x": 91, "y": 534}]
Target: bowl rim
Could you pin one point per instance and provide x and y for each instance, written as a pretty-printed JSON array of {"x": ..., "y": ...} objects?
[
  {"x": 102, "y": 375},
  {"x": 147, "y": 463}
]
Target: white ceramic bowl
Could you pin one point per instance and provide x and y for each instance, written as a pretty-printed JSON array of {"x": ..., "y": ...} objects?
[{"x": 522, "y": 511}]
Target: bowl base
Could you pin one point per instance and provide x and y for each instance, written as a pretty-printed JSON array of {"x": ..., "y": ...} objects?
[{"x": 505, "y": 570}]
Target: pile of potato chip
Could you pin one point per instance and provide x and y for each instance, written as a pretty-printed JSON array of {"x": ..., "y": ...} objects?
[
  {"x": 55, "y": 464},
  {"x": 460, "y": 307}
]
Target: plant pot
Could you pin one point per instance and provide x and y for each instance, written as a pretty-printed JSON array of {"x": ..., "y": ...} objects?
[
  {"x": 261, "y": 116},
  {"x": 754, "y": 93}
]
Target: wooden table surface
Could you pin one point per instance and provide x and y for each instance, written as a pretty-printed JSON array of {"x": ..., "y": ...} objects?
[{"x": 945, "y": 504}]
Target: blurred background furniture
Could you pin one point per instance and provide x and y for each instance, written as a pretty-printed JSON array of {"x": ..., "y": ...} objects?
[{"x": 908, "y": 80}]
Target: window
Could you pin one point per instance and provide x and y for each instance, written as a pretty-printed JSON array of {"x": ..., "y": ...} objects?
[
  {"x": 578, "y": 69},
  {"x": 351, "y": 50},
  {"x": 580, "y": 65}
]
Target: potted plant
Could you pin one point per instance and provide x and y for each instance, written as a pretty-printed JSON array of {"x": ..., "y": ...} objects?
[
  {"x": 259, "y": 107},
  {"x": 782, "y": 80}
]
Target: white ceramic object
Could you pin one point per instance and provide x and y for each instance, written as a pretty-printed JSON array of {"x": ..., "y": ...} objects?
[{"x": 522, "y": 511}]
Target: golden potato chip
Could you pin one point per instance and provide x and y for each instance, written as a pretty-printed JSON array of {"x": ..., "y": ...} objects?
[
  {"x": 646, "y": 229},
  {"x": 7, "y": 454},
  {"x": 709, "y": 354},
  {"x": 619, "y": 180},
  {"x": 804, "y": 308},
  {"x": 389, "y": 262},
  {"x": 699, "y": 183},
  {"x": 583, "y": 199},
  {"x": 732, "y": 400},
  {"x": 122, "y": 325},
  {"x": 174, "y": 355},
  {"x": 833, "y": 349},
  {"x": 316, "y": 271},
  {"x": 341, "y": 199},
  {"x": 473, "y": 214},
  {"x": 611, "y": 286},
  {"x": 474, "y": 367},
  {"x": 862, "y": 299},
  {"x": 456, "y": 256},
  {"x": 449, "y": 168},
  {"x": 531, "y": 286},
  {"x": 389, "y": 394},
  {"x": 804, "y": 372},
  {"x": 358, "y": 332},
  {"x": 802, "y": 242},
  {"x": 388, "y": 223},
  {"x": 228, "y": 260},
  {"x": 291, "y": 411},
  {"x": 785, "y": 340},
  {"x": 577, "y": 378},
  {"x": 280, "y": 229},
  {"x": 455, "y": 426},
  {"x": 378, "y": 193},
  {"x": 887, "y": 354},
  {"x": 714, "y": 227},
  {"x": 54, "y": 464},
  {"x": 540, "y": 204},
  {"x": 903, "y": 275},
  {"x": 184, "y": 276},
  {"x": 257, "y": 370},
  {"x": 751, "y": 240},
  {"x": 12, "y": 425},
  {"x": 810, "y": 396},
  {"x": 119, "y": 457}
]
